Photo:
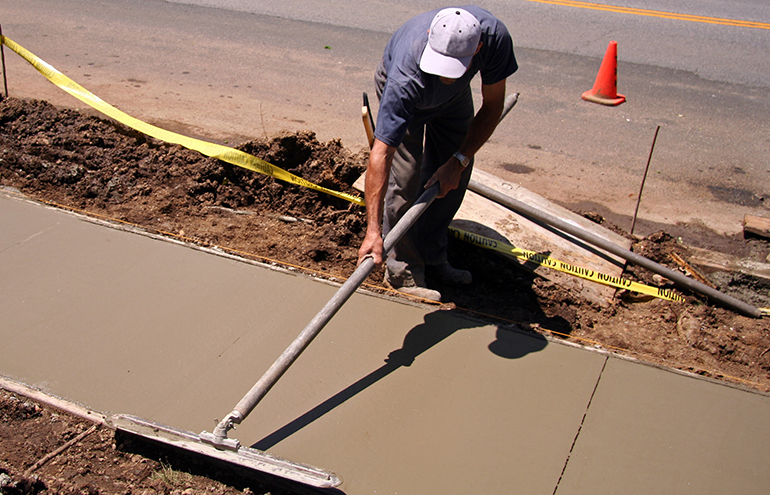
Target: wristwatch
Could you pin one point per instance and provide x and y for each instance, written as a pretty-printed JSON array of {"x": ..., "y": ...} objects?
[{"x": 464, "y": 160}]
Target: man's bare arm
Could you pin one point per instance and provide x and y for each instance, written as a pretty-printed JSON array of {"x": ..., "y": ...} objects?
[
  {"x": 377, "y": 174},
  {"x": 486, "y": 119}
]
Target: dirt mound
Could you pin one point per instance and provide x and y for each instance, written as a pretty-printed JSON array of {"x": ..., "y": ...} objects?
[
  {"x": 103, "y": 168},
  {"x": 45, "y": 450}
]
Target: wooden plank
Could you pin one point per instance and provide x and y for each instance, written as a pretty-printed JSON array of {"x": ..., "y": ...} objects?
[
  {"x": 757, "y": 226},
  {"x": 484, "y": 217},
  {"x": 368, "y": 127},
  {"x": 728, "y": 263}
]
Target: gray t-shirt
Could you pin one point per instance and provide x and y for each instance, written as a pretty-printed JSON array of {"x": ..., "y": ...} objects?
[{"x": 408, "y": 89}]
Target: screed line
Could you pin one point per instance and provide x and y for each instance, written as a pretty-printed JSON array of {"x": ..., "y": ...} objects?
[
  {"x": 657, "y": 13},
  {"x": 582, "y": 421}
]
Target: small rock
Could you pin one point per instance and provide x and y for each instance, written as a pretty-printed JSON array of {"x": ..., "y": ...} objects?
[
  {"x": 688, "y": 328},
  {"x": 5, "y": 481}
]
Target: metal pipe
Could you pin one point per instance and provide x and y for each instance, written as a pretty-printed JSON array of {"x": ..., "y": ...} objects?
[
  {"x": 508, "y": 105},
  {"x": 281, "y": 365},
  {"x": 534, "y": 213}
]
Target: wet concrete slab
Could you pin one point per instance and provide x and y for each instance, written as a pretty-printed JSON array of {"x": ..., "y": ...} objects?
[
  {"x": 648, "y": 428},
  {"x": 395, "y": 398}
]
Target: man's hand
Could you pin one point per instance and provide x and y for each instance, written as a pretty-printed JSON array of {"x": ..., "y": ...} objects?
[
  {"x": 448, "y": 176},
  {"x": 372, "y": 247}
]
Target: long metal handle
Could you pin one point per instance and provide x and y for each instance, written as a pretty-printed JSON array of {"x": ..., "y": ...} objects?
[
  {"x": 279, "y": 367},
  {"x": 508, "y": 104},
  {"x": 529, "y": 211}
]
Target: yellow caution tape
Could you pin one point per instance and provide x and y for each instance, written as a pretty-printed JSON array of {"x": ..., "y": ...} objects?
[
  {"x": 251, "y": 162},
  {"x": 224, "y": 153},
  {"x": 548, "y": 262}
]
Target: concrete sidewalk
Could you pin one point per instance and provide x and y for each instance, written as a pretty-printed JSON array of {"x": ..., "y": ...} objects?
[{"x": 395, "y": 398}]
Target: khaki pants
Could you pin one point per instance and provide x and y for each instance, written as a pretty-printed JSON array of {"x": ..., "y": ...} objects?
[{"x": 433, "y": 136}]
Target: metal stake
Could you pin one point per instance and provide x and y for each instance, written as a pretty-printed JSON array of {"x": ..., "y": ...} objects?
[{"x": 641, "y": 188}]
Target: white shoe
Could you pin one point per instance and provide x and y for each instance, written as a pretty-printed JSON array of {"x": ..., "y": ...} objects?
[
  {"x": 421, "y": 292},
  {"x": 414, "y": 290}
]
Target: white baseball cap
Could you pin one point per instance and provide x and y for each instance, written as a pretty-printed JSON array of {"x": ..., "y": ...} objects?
[{"x": 452, "y": 41}]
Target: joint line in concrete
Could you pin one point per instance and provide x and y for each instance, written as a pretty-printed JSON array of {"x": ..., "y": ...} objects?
[{"x": 582, "y": 421}]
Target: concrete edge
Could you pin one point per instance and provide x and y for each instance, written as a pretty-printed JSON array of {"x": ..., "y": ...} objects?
[
  {"x": 662, "y": 367},
  {"x": 56, "y": 402},
  {"x": 215, "y": 250}
]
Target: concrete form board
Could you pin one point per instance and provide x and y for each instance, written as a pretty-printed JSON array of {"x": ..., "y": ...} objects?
[{"x": 649, "y": 430}]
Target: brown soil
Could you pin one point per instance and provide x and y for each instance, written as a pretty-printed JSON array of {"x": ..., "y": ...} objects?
[
  {"x": 99, "y": 167},
  {"x": 44, "y": 450}
]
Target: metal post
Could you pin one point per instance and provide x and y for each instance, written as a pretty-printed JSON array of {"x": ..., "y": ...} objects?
[{"x": 641, "y": 188}]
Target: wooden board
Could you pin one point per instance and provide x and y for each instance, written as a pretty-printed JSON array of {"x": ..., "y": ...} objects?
[
  {"x": 757, "y": 226},
  {"x": 484, "y": 217},
  {"x": 728, "y": 263}
]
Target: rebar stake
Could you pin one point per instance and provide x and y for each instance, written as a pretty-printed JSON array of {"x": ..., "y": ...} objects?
[{"x": 641, "y": 188}]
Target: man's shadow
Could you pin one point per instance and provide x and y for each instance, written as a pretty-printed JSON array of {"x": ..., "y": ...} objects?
[
  {"x": 438, "y": 326},
  {"x": 504, "y": 287}
]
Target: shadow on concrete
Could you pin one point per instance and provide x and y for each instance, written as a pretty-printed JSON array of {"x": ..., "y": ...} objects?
[
  {"x": 438, "y": 326},
  {"x": 506, "y": 289}
]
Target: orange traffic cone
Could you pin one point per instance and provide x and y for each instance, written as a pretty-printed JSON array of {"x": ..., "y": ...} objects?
[{"x": 605, "y": 90}]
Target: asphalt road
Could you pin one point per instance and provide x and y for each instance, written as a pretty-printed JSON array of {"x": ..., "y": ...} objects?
[
  {"x": 233, "y": 70},
  {"x": 722, "y": 50}
]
